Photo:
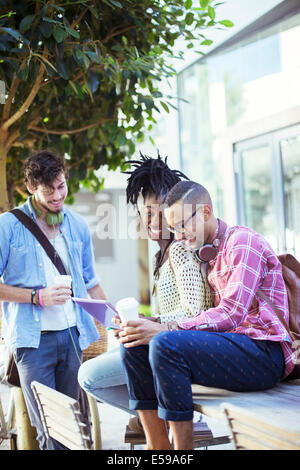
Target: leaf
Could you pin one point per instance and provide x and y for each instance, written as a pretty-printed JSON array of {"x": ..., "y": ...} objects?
[
  {"x": 188, "y": 4},
  {"x": 59, "y": 34},
  {"x": 227, "y": 23},
  {"x": 26, "y": 22},
  {"x": 164, "y": 106},
  {"x": 211, "y": 12},
  {"x": 46, "y": 29},
  {"x": 93, "y": 81},
  {"x": 204, "y": 3},
  {"x": 189, "y": 18},
  {"x": 206, "y": 42},
  {"x": 23, "y": 74},
  {"x": 62, "y": 69},
  {"x": 99, "y": 158},
  {"x": 15, "y": 34},
  {"x": 94, "y": 57},
  {"x": 72, "y": 84},
  {"x": 45, "y": 60},
  {"x": 73, "y": 32},
  {"x": 86, "y": 61},
  {"x": 117, "y": 4},
  {"x": 50, "y": 20}
]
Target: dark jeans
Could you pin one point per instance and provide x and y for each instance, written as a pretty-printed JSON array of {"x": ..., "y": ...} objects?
[
  {"x": 55, "y": 363},
  {"x": 159, "y": 376}
]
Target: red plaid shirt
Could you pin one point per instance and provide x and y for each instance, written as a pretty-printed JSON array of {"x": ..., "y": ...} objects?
[{"x": 246, "y": 262}]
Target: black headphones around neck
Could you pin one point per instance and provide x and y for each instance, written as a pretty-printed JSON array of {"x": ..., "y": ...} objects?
[{"x": 208, "y": 252}]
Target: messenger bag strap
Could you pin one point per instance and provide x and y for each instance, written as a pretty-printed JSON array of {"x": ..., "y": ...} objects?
[
  {"x": 41, "y": 237},
  {"x": 263, "y": 296}
]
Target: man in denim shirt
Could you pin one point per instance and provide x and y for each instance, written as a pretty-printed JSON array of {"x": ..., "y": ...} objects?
[{"x": 43, "y": 327}]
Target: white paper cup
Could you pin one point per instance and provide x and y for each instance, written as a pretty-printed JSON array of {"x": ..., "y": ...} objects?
[
  {"x": 63, "y": 280},
  {"x": 128, "y": 309}
]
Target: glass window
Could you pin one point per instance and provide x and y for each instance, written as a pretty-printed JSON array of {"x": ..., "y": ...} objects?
[
  {"x": 290, "y": 154},
  {"x": 259, "y": 209}
]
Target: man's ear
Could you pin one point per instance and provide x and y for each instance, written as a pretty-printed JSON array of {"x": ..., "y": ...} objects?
[
  {"x": 30, "y": 188},
  {"x": 207, "y": 212}
]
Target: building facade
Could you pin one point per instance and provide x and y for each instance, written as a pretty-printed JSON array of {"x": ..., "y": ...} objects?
[{"x": 239, "y": 125}]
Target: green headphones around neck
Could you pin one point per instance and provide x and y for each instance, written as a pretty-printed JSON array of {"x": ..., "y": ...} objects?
[{"x": 51, "y": 218}]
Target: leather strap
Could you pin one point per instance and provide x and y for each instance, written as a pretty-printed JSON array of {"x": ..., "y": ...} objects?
[
  {"x": 41, "y": 237},
  {"x": 263, "y": 296}
]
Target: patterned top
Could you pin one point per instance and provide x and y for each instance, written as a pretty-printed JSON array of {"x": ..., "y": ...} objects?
[
  {"x": 246, "y": 262},
  {"x": 182, "y": 289}
]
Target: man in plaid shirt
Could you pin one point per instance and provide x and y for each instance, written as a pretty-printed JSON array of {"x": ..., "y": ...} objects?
[{"x": 239, "y": 344}]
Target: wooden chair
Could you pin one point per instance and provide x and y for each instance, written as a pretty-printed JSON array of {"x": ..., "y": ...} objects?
[
  {"x": 61, "y": 417},
  {"x": 251, "y": 433}
]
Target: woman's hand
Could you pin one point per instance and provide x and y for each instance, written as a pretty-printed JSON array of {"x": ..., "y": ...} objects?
[
  {"x": 117, "y": 321},
  {"x": 137, "y": 332}
]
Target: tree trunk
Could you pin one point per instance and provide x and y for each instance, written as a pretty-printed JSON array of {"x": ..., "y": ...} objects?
[{"x": 4, "y": 202}]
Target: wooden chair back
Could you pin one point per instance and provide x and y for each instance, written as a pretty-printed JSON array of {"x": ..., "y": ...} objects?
[
  {"x": 61, "y": 417},
  {"x": 251, "y": 433}
]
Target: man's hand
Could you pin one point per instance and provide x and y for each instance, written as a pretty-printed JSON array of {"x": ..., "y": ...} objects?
[
  {"x": 138, "y": 332},
  {"x": 56, "y": 295}
]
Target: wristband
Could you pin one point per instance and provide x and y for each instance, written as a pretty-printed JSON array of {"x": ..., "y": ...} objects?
[
  {"x": 33, "y": 292},
  {"x": 41, "y": 302}
]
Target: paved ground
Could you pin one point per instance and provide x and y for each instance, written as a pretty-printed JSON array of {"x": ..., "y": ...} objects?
[{"x": 113, "y": 424}]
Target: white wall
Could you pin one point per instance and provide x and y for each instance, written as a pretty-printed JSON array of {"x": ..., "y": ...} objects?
[{"x": 118, "y": 274}]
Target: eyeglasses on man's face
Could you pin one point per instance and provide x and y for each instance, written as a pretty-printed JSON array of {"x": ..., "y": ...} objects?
[{"x": 180, "y": 227}]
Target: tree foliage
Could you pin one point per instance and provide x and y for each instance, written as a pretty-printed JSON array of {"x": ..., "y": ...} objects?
[{"x": 83, "y": 78}]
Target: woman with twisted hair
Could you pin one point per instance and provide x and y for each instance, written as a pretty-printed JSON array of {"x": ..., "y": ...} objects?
[{"x": 180, "y": 289}]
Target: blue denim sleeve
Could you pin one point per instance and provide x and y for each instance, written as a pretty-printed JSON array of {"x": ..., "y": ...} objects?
[
  {"x": 5, "y": 236},
  {"x": 88, "y": 262}
]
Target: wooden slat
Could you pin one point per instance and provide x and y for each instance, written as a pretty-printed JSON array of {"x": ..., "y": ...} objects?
[
  {"x": 68, "y": 429},
  {"x": 240, "y": 417},
  {"x": 65, "y": 441},
  {"x": 53, "y": 395},
  {"x": 56, "y": 410},
  {"x": 260, "y": 436},
  {"x": 247, "y": 443}
]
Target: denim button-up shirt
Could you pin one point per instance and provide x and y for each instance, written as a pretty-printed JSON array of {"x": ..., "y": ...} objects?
[{"x": 21, "y": 265}]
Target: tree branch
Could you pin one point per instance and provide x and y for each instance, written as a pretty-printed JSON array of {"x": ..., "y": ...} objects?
[
  {"x": 27, "y": 102},
  {"x": 11, "y": 141},
  {"x": 120, "y": 31},
  {"x": 12, "y": 92},
  {"x": 75, "y": 22},
  {"x": 67, "y": 131}
]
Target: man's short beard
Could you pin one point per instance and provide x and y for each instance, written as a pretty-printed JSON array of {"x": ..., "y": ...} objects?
[{"x": 45, "y": 208}]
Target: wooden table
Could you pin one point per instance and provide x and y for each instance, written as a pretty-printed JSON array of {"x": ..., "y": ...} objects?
[{"x": 279, "y": 406}]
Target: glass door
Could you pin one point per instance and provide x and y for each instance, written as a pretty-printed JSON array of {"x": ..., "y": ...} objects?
[
  {"x": 267, "y": 175},
  {"x": 257, "y": 196},
  {"x": 290, "y": 158}
]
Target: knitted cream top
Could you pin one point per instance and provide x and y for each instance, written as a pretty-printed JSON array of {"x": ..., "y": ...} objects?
[{"x": 182, "y": 291}]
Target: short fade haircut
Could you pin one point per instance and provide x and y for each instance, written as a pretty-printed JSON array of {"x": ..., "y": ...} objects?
[
  {"x": 43, "y": 168},
  {"x": 189, "y": 192}
]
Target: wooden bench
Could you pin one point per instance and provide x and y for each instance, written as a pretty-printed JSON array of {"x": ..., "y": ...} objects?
[{"x": 278, "y": 408}]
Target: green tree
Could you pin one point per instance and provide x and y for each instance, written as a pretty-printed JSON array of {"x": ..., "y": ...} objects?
[{"x": 82, "y": 78}]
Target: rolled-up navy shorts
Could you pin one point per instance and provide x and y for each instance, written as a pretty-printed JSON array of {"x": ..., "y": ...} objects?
[{"x": 159, "y": 375}]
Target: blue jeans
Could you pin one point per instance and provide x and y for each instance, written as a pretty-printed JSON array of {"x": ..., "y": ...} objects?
[
  {"x": 54, "y": 363},
  {"x": 103, "y": 377},
  {"x": 159, "y": 376}
]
